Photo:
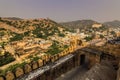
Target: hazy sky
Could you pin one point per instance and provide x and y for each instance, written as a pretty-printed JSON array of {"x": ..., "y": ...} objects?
[{"x": 62, "y": 10}]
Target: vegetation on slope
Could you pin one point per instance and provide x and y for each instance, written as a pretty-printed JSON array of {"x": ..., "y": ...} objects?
[
  {"x": 39, "y": 28},
  {"x": 79, "y": 24},
  {"x": 113, "y": 24}
]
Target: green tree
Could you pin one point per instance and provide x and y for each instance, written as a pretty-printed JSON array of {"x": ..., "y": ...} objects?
[
  {"x": 61, "y": 35},
  {"x": 2, "y": 33},
  {"x": 101, "y": 36},
  {"x": 17, "y": 37},
  {"x": 112, "y": 32},
  {"x": 88, "y": 38}
]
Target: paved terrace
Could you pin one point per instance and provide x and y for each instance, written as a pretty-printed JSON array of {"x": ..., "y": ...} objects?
[
  {"x": 74, "y": 74},
  {"x": 101, "y": 71},
  {"x": 43, "y": 69}
]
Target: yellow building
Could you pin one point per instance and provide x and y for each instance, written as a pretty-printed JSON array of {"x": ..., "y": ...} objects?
[{"x": 96, "y": 25}]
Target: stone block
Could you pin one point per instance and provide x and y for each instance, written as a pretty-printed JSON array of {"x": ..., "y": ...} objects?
[
  {"x": 34, "y": 65},
  {"x": 19, "y": 72},
  {"x": 10, "y": 76},
  {"x": 40, "y": 62},
  {"x": 27, "y": 68}
]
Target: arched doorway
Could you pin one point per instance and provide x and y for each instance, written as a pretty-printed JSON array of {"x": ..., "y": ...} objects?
[{"x": 82, "y": 59}]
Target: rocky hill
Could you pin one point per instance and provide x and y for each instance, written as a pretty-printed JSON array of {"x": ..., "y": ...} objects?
[
  {"x": 85, "y": 26},
  {"x": 79, "y": 24},
  {"x": 113, "y": 24},
  {"x": 17, "y": 28},
  {"x": 12, "y": 18}
]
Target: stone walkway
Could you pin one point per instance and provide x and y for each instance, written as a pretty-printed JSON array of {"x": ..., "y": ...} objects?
[
  {"x": 74, "y": 74},
  {"x": 102, "y": 71}
]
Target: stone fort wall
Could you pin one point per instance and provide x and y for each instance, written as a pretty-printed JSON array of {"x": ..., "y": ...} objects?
[{"x": 53, "y": 73}]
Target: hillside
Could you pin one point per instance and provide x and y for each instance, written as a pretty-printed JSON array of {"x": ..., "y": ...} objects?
[
  {"x": 27, "y": 40},
  {"x": 12, "y": 18},
  {"x": 113, "y": 24},
  {"x": 38, "y": 28},
  {"x": 85, "y": 26},
  {"x": 79, "y": 24}
]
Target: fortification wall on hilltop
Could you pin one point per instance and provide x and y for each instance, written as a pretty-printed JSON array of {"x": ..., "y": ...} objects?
[
  {"x": 20, "y": 71},
  {"x": 51, "y": 67}
]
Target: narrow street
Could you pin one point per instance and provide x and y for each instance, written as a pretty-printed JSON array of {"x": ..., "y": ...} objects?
[{"x": 74, "y": 74}]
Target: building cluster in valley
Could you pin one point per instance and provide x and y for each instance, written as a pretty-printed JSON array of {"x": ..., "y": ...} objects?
[{"x": 98, "y": 31}]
